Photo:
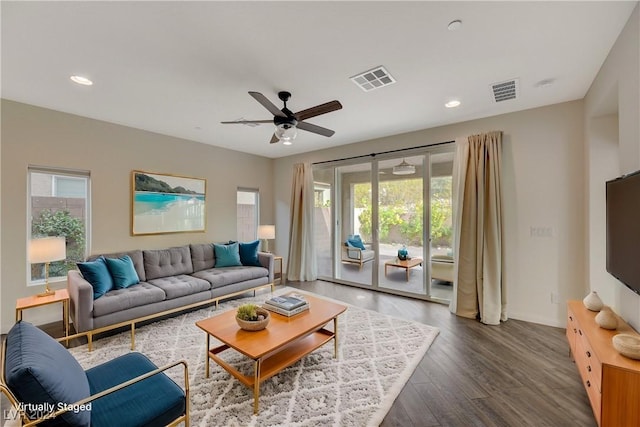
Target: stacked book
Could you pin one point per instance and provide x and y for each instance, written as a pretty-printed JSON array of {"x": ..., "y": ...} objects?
[{"x": 287, "y": 305}]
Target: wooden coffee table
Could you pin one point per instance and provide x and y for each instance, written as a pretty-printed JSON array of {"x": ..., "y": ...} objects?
[
  {"x": 285, "y": 340},
  {"x": 406, "y": 264}
]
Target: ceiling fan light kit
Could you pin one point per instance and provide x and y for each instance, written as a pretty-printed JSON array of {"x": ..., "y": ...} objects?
[
  {"x": 287, "y": 123},
  {"x": 286, "y": 133},
  {"x": 404, "y": 168}
]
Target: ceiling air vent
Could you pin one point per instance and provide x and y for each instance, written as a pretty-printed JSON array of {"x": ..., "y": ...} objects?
[
  {"x": 505, "y": 91},
  {"x": 373, "y": 79}
]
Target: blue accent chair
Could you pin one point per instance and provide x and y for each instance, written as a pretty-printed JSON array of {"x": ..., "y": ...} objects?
[
  {"x": 47, "y": 386},
  {"x": 354, "y": 251}
]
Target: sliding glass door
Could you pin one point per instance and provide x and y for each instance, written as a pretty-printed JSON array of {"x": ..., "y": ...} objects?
[
  {"x": 369, "y": 212},
  {"x": 401, "y": 224}
]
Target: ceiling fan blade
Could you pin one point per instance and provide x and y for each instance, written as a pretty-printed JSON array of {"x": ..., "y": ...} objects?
[
  {"x": 244, "y": 122},
  {"x": 315, "y": 129},
  {"x": 274, "y": 139},
  {"x": 318, "y": 110},
  {"x": 267, "y": 104}
]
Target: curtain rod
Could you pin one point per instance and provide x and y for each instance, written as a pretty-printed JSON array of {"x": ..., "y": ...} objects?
[{"x": 383, "y": 152}]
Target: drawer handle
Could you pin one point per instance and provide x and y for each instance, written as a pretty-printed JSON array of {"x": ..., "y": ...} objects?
[
  {"x": 588, "y": 383},
  {"x": 580, "y": 331},
  {"x": 575, "y": 330},
  {"x": 589, "y": 368},
  {"x": 588, "y": 353},
  {"x": 570, "y": 317}
]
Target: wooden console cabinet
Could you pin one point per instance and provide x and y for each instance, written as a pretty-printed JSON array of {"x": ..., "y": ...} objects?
[{"x": 611, "y": 380}]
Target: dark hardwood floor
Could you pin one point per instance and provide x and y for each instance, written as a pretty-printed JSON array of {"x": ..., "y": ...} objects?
[{"x": 514, "y": 374}]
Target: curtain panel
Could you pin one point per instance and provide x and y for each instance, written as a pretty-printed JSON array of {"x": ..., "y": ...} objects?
[
  {"x": 302, "y": 263},
  {"x": 479, "y": 287}
]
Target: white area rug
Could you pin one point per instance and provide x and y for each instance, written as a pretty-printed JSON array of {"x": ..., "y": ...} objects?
[{"x": 377, "y": 355}]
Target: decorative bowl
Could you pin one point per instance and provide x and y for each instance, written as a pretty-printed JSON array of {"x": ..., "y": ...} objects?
[
  {"x": 627, "y": 345},
  {"x": 255, "y": 325}
]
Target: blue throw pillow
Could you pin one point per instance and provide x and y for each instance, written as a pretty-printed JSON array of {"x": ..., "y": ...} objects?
[
  {"x": 39, "y": 371},
  {"x": 122, "y": 272},
  {"x": 227, "y": 255},
  {"x": 97, "y": 273},
  {"x": 356, "y": 242},
  {"x": 249, "y": 253}
]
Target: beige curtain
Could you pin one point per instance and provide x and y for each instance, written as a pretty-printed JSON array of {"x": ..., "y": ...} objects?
[
  {"x": 302, "y": 265},
  {"x": 479, "y": 287}
]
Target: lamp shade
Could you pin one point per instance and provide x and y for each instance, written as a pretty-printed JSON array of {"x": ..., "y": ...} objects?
[
  {"x": 47, "y": 249},
  {"x": 267, "y": 232}
]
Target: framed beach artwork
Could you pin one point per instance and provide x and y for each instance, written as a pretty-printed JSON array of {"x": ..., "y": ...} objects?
[{"x": 163, "y": 203}]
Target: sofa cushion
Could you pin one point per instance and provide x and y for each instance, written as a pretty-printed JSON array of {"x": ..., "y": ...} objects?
[
  {"x": 40, "y": 370},
  {"x": 122, "y": 299},
  {"x": 181, "y": 285},
  {"x": 249, "y": 253},
  {"x": 122, "y": 272},
  {"x": 97, "y": 273},
  {"x": 167, "y": 262},
  {"x": 224, "y": 276},
  {"x": 136, "y": 257},
  {"x": 155, "y": 401},
  {"x": 227, "y": 255},
  {"x": 202, "y": 256}
]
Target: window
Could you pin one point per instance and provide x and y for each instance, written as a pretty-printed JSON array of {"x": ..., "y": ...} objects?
[
  {"x": 248, "y": 209},
  {"x": 58, "y": 206}
]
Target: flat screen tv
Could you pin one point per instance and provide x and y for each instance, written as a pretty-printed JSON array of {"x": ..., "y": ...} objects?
[{"x": 623, "y": 230}]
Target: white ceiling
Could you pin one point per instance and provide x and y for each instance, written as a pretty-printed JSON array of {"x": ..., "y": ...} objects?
[{"x": 179, "y": 68}]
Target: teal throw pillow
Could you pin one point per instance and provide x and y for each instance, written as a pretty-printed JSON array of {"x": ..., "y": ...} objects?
[
  {"x": 97, "y": 273},
  {"x": 249, "y": 253},
  {"x": 227, "y": 255},
  {"x": 122, "y": 272}
]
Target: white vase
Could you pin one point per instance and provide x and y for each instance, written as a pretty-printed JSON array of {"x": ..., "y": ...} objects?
[
  {"x": 607, "y": 319},
  {"x": 593, "y": 301}
]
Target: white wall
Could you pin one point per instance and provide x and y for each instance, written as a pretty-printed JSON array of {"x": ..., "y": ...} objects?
[
  {"x": 37, "y": 136},
  {"x": 543, "y": 187},
  {"x": 612, "y": 131}
]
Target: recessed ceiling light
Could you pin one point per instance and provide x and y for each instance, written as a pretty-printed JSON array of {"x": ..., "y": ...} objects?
[
  {"x": 454, "y": 25},
  {"x": 81, "y": 80},
  {"x": 452, "y": 104}
]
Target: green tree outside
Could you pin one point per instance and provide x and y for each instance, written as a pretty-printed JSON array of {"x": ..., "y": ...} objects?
[
  {"x": 401, "y": 207},
  {"x": 60, "y": 223}
]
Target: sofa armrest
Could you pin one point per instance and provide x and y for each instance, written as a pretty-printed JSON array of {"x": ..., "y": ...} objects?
[
  {"x": 81, "y": 301},
  {"x": 266, "y": 260}
]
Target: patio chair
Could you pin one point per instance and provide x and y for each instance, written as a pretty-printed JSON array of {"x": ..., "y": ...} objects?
[
  {"x": 354, "y": 251},
  {"x": 46, "y": 385}
]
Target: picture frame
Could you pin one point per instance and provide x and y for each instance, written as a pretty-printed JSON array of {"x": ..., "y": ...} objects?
[{"x": 164, "y": 203}]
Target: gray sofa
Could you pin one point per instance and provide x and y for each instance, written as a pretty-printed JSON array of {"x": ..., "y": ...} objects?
[{"x": 171, "y": 280}]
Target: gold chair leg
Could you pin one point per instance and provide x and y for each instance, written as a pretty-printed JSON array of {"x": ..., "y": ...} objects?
[{"x": 133, "y": 336}]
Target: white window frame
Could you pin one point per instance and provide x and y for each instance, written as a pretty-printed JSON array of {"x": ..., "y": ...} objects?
[
  {"x": 67, "y": 173},
  {"x": 256, "y": 192}
]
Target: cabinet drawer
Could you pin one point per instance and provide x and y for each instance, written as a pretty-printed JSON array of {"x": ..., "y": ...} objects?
[
  {"x": 572, "y": 330},
  {"x": 588, "y": 381},
  {"x": 593, "y": 366}
]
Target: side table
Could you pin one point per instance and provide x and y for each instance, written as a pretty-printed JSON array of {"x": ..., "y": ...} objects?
[
  {"x": 278, "y": 275},
  {"x": 61, "y": 295}
]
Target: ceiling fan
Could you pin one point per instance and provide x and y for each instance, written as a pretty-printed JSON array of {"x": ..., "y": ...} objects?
[{"x": 288, "y": 122}]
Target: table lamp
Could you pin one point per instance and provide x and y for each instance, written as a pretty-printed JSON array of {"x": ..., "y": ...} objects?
[
  {"x": 46, "y": 250},
  {"x": 266, "y": 232}
]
